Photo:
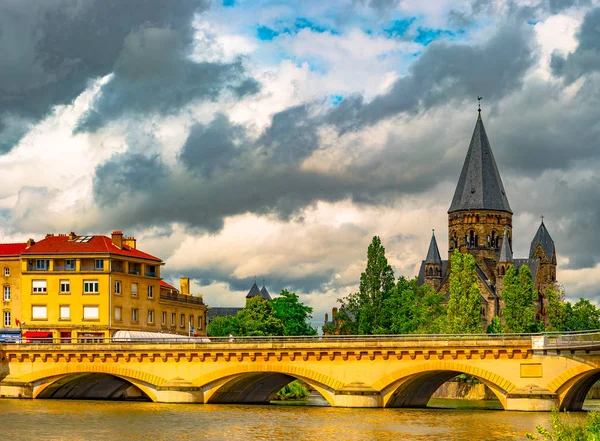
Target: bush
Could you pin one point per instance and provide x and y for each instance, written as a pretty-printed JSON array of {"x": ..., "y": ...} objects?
[{"x": 563, "y": 430}]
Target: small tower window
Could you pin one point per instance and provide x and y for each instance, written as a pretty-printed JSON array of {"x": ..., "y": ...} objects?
[
  {"x": 430, "y": 271},
  {"x": 502, "y": 270},
  {"x": 471, "y": 238}
]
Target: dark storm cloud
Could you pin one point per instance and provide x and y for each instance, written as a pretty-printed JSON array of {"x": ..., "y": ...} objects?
[
  {"x": 381, "y": 6},
  {"x": 52, "y": 48},
  {"x": 586, "y": 58},
  {"x": 153, "y": 74},
  {"x": 447, "y": 72}
]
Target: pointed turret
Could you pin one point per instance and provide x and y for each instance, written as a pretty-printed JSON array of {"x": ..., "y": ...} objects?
[
  {"x": 254, "y": 291},
  {"x": 479, "y": 186},
  {"x": 264, "y": 293},
  {"x": 542, "y": 237},
  {"x": 506, "y": 255},
  {"x": 433, "y": 254}
]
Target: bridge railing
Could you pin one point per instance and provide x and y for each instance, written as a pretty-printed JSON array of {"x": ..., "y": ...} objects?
[{"x": 547, "y": 340}]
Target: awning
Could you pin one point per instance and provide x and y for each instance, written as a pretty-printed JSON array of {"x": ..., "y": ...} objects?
[{"x": 33, "y": 334}]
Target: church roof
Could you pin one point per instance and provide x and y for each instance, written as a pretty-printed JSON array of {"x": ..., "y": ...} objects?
[
  {"x": 264, "y": 293},
  {"x": 543, "y": 238},
  {"x": 533, "y": 265},
  {"x": 254, "y": 291},
  {"x": 506, "y": 254},
  {"x": 479, "y": 186},
  {"x": 433, "y": 254}
]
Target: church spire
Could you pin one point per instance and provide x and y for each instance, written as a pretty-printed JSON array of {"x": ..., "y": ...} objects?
[
  {"x": 433, "y": 254},
  {"x": 542, "y": 237},
  {"x": 479, "y": 186},
  {"x": 506, "y": 255}
]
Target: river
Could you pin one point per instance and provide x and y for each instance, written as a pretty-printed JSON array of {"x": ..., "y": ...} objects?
[{"x": 32, "y": 420}]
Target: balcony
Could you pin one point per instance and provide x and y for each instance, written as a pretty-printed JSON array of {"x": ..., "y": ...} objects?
[
  {"x": 182, "y": 298},
  {"x": 34, "y": 268},
  {"x": 63, "y": 268},
  {"x": 150, "y": 273}
]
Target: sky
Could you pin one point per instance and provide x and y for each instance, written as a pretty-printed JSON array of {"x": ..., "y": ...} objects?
[{"x": 274, "y": 138}]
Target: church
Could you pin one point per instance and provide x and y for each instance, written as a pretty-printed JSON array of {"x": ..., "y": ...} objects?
[{"x": 480, "y": 223}]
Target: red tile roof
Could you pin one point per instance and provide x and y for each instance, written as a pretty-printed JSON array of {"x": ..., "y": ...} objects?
[
  {"x": 12, "y": 249},
  {"x": 166, "y": 285},
  {"x": 97, "y": 245}
]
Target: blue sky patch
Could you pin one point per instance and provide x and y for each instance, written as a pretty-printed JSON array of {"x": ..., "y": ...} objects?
[
  {"x": 229, "y": 3},
  {"x": 426, "y": 36},
  {"x": 336, "y": 99},
  {"x": 266, "y": 34},
  {"x": 399, "y": 27}
]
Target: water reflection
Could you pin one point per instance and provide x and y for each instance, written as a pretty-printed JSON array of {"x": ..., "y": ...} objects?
[{"x": 29, "y": 420}]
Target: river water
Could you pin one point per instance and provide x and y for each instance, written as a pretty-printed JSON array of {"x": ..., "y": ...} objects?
[{"x": 32, "y": 420}]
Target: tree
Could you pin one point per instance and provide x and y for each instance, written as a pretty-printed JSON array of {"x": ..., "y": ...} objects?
[
  {"x": 555, "y": 311},
  {"x": 581, "y": 316},
  {"x": 376, "y": 284},
  {"x": 294, "y": 314},
  {"x": 495, "y": 327},
  {"x": 223, "y": 326},
  {"x": 258, "y": 318},
  {"x": 519, "y": 301},
  {"x": 464, "y": 303},
  {"x": 341, "y": 324}
]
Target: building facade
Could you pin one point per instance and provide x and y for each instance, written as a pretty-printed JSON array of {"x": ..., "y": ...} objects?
[
  {"x": 480, "y": 224},
  {"x": 69, "y": 286}
]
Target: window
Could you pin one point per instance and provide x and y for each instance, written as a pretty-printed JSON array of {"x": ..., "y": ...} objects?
[
  {"x": 173, "y": 318},
  {"x": 6, "y": 319},
  {"x": 150, "y": 291},
  {"x": 118, "y": 313},
  {"x": 164, "y": 318},
  {"x": 99, "y": 265},
  {"x": 134, "y": 290},
  {"x": 38, "y": 286},
  {"x": 90, "y": 312},
  {"x": 191, "y": 322},
  {"x": 118, "y": 287},
  {"x": 42, "y": 264},
  {"x": 6, "y": 293},
  {"x": 150, "y": 317},
  {"x": 6, "y": 271},
  {"x": 70, "y": 264},
  {"x": 199, "y": 327},
  {"x": 182, "y": 321},
  {"x": 90, "y": 286},
  {"x": 65, "y": 312},
  {"x": 134, "y": 315},
  {"x": 65, "y": 286},
  {"x": 39, "y": 312}
]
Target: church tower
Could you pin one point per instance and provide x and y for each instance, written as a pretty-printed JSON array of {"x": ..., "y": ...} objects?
[
  {"x": 542, "y": 250},
  {"x": 480, "y": 211},
  {"x": 505, "y": 261},
  {"x": 433, "y": 265}
]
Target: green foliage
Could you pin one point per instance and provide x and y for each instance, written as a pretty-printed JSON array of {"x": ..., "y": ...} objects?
[
  {"x": 293, "y": 391},
  {"x": 414, "y": 309},
  {"x": 581, "y": 316},
  {"x": 342, "y": 324},
  {"x": 563, "y": 430},
  {"x": 294, "y": 314},
  {"x": 519, "y": 301},
  {"x": 223, "y": 326},
  {"x": 495, "y": 327},
  {"x": 376, "y": 284},
  {"x": 555, "y": 311},
  {"x": 258, "y": 318},
  {"x": 464, "y": 304}
]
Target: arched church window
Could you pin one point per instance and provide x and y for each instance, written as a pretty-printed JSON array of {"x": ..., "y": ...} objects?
[
  {"x": 502, "y": 270},
  {"x": 497, "y": 242},
  {"x": 431, "y": 271},
  {"x": 471, "y": 238}
]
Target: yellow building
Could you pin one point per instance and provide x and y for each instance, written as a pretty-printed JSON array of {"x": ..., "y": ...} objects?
[
  {"x": 88, "y": 287},
  {"x": 10, "y": 278}
]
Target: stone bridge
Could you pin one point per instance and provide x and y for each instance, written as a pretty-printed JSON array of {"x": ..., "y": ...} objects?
[{"x": 525, "y": 372}]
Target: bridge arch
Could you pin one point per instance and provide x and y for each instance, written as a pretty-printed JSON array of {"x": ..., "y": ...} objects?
[
  {"x": 573, "y": 385},
  {"x": 260, "y": 383},
  {"x": 47, "y": 380},
  {"x": 413, "y": 386}
]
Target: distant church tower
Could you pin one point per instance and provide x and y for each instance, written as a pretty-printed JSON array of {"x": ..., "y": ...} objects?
[
  {"x": 433, "y": 265},
  {"x": 480, "y": 211}
]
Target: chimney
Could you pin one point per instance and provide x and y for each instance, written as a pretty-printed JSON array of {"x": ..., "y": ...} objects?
[
  {"x": 72, "y": 235},
  {"x": 184, "y": 283},
  {"x": 334, "y": 311},
  {"x": 49, "y": 235},
  {"x": 326, "y": 317},
  {"x": 30, "y": 242},
  {"x": 117, "y": 238},
  {"x": 129, "y": 241}
]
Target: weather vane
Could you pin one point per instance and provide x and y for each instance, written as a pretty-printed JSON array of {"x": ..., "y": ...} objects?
[{"x": 479, "y": 98}]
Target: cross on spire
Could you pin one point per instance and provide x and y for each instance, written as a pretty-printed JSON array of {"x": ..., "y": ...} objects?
[
  {"x": 479, "y": 98},
  {"x": 542, "y": 216}
]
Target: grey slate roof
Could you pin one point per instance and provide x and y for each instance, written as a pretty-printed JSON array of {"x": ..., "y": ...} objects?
[
  {"x": 221, "y": 311},
  {"x": 479, "y": 186},
  {"x": 254, "y": 291},
  {"x": 542, "y": 237},
  {"x": 506, "y": 254},
  {"x": 433, "y": 254},
  {"x": 264, "y": 293},
  {"x": 533, "y": 265},
  {"x": 421, "y": 275}
]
